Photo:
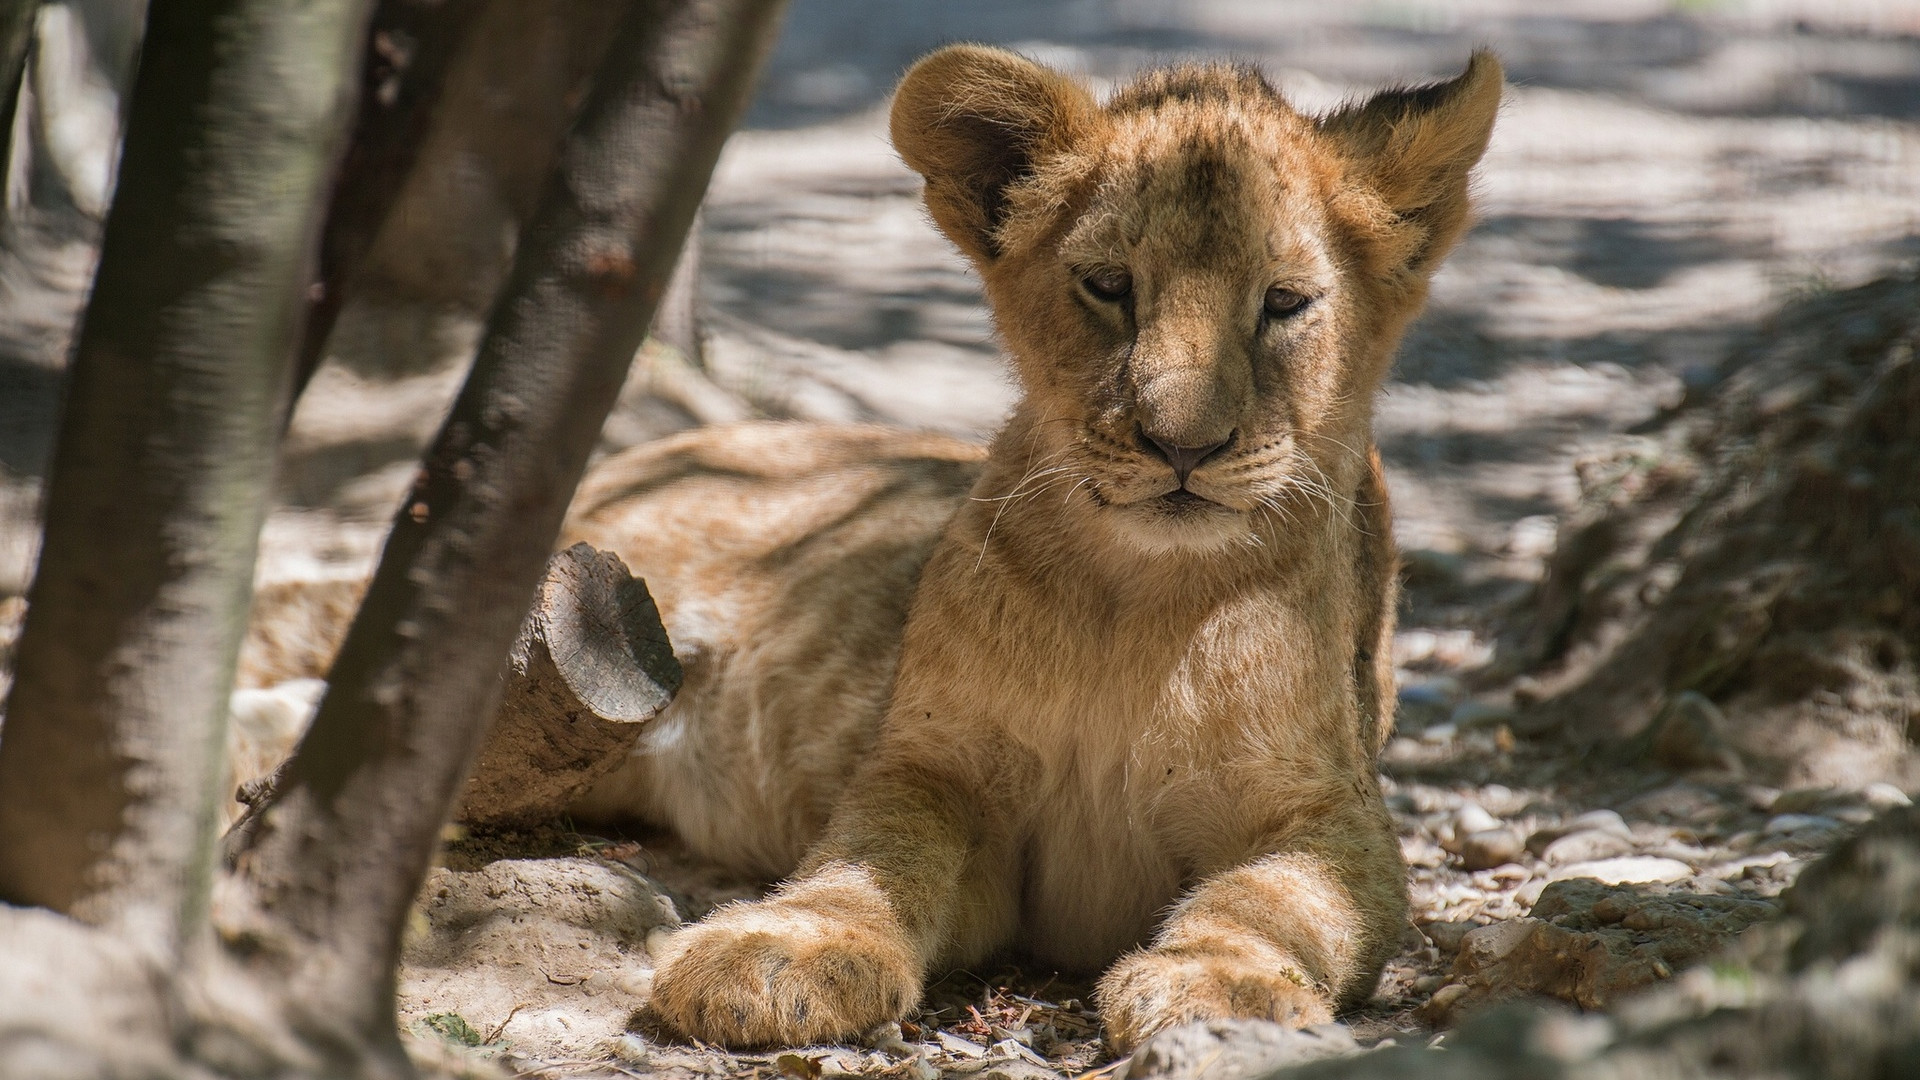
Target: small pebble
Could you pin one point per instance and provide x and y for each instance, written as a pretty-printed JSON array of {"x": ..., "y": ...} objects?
[{"x": 632, "y": 1050}]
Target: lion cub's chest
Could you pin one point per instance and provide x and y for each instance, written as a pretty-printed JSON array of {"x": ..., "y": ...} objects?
[
  {"x": 1096, "y": 869},
  {"x": 1153, "y": 763},
  {"x": 1129, "y": 800}
]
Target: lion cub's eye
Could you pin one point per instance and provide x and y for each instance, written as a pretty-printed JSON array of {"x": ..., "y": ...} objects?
[
  {"x": 1109, "y": 284},
  {"x": 1282, "y": 302}
]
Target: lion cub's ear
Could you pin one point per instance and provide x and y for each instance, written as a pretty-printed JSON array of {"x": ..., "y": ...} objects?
[
  {"x": 973, "y": 120},
  {"x": 1413, "y": 149}
]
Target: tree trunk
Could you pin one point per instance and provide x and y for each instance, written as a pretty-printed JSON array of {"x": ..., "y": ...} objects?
[
  {"x": 678, "y": 321},
  {"x": 328, "y": 866},
  {"x": 16, "y": 32},
  {"x": 410, "y": 45},
  {"x": 162, "y": 468}
]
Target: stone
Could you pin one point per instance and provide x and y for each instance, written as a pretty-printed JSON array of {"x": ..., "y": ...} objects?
[
  {"x": 1489, "y": 848},
  {"x": 1469, "y": 715},
  {"x": 1786, "y": 824},
  {"x": 1883, "y": 796},
  {"x": 1804, "y": 800},
  {"x": 1486, "y": 945},
  {"x": 1232, "y": 1049},
  {"x": 1472, "y": 818},
  {"x": 1690, "y": 733},
  {"x": 1625, "y": 870},
  {"x": 1603, "y": 821},
  {"x": 1587, "y": 845},
  {"x": 1446, "y": 935}
]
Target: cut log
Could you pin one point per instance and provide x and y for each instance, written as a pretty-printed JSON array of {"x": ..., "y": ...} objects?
[{"x": 591, "y": 666}]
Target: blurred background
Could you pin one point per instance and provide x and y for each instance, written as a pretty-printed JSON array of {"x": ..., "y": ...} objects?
[{"x": 1665, "y": 174}]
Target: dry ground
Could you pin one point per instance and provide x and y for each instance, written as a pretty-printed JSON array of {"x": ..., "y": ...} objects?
[{"x": 1665, "y": 176}]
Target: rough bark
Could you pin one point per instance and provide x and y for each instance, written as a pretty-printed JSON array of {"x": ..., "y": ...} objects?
[
  {"x": 330, "y": 863},
  {"x": 409, "y": 46},
  {"x": 591, "y": 666},
  {"x": 161, "y": 472}
]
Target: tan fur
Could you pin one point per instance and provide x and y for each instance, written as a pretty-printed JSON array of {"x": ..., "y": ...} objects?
[{"x": 1119, "y": 721}]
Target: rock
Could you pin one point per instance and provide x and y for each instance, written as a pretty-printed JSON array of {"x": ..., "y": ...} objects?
[
  {"x": 1603, "y": 821},
  {"x": 1438, "y": 692},
  {"x": 1784, "y": 824},
  {"x": 1884, "y": 796},
  {"x": 1804, "y": 800},
  {"x": 1469, "y": 715},
  {"x": 1231, "y": 1049},
  {"x": 1690, "y": 733},
  {"x": 1472, "y": 818},
  {"x": 1588, "y": 943},
  {"x": 1487, "y": 945},
  {"x": 1625, "y": 870},
  {"x": 1587, "y": 845},
  {"x": 1489, "y": 848},
  {"x": 1446, "y": 936}
]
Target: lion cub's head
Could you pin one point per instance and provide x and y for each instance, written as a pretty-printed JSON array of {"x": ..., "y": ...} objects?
[{"x": 1200, "y": 286}]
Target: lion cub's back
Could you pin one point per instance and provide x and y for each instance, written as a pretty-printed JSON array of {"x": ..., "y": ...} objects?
[{"x": 782, "y": 556}]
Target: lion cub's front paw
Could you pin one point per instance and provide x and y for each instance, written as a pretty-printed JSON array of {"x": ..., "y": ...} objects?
[
  {"x": 1151, "y": 990},
  {"x": 766, "y": 973}
]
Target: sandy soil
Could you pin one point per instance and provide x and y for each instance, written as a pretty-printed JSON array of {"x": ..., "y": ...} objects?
[{"x": 1664, "y": 176}]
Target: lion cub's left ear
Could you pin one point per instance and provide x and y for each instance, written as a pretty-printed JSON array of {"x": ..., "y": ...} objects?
[
  {"x": 973, "y": 121},
  {"x": 1413, "y": 150}
]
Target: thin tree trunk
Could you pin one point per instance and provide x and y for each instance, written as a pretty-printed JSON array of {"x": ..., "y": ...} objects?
[
  {"x": 16, "y": 34},
  {"x": 330, "y": 862},
  {"x": 162, "y": 469},
  {"x": 410, "y": 45}
]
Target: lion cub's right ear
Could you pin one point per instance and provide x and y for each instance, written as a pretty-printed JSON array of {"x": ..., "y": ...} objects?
[{"x": 974, "y": 120}]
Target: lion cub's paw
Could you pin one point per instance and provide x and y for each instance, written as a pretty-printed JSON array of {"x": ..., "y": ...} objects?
[
  {"x": 768, "y": 973},
  {"x": 1150, "y": 990}
]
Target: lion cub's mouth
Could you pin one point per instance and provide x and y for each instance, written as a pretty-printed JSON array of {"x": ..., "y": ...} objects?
[{"x": 1181, "y": 501}]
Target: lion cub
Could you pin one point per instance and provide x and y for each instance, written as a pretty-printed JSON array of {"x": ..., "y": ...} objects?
[{"x": 1121, "y": 705}]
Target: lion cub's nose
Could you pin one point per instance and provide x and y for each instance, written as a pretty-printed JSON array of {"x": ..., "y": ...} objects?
[{"x": 1184, "y": 459}]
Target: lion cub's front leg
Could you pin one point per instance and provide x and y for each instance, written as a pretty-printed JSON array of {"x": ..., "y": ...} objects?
[
  {"x": 1286, "y": 938},
  {"x": 904, "y": 879}
]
